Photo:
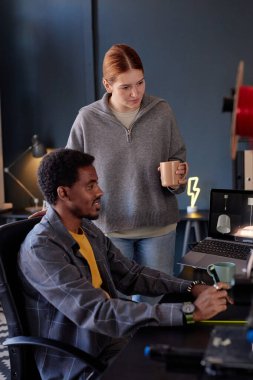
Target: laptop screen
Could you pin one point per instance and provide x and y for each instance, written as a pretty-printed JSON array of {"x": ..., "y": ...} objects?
[{"x": 231, "y": 215}]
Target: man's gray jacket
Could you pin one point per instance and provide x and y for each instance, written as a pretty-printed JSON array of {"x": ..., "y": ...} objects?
[{"x": 61, "y": 302}]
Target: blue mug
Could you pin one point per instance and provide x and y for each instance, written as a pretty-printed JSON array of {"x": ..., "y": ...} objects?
[{"x": 223, "y": 271}]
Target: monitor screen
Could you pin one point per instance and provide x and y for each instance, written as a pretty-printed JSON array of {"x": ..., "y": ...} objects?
[{"x": 231, "y": 214}]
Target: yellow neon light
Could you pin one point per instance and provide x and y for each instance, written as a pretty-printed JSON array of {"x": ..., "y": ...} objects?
[{"x": 192, "y": 189}]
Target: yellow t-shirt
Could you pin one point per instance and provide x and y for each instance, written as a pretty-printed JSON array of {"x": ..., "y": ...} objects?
[{"x": 87, "y": 252}]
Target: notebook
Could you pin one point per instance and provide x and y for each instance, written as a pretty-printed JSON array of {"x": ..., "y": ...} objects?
[{"x": 230, "y": 224}]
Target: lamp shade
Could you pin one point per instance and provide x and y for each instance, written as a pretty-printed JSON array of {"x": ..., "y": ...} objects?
[
  {"x": 223, "y": 224},
  {"x": 38, "y": 149},
  {"x": 250, "y": 201}
]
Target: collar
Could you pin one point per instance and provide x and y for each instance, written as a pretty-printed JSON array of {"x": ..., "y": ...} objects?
[{"x": 53, "y": 220}]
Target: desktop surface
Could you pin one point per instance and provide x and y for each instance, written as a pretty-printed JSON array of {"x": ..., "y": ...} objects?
[
  {"x": 131, "y": 363},
  {"x": 8, "y": 216}
]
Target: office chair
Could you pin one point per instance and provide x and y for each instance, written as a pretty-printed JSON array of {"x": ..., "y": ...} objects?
[{"x": 20, "y": 343}]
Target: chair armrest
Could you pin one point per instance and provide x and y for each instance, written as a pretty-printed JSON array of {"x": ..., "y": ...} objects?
[{"x": 59, "y": 346}]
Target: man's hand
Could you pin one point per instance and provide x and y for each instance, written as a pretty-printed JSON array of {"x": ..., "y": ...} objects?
[{"x": 211, "y": 301}]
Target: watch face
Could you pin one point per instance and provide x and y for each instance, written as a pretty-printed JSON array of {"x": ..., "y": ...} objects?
[{"x": 188, "y": 308}]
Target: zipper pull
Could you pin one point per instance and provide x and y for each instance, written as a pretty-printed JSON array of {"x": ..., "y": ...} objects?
[{"x": 129, "y": 136}]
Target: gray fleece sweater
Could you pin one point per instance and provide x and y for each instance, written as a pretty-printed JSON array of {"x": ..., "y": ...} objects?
[{"x": 127, "y": 162}]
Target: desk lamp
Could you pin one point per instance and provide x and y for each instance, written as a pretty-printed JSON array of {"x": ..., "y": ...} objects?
[
  {"x": 193, "y": 192},
  {"x": 223, "y": 223},
  {"x": 38, "y": 150}
]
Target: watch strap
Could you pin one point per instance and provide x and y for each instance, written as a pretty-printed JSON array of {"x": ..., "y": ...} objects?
[
  {"x": 188, "y": 310},
  {"x": 189, "y": 319}
]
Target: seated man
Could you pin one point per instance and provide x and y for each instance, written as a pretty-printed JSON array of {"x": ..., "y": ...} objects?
[{"x": 71, "y": 274}]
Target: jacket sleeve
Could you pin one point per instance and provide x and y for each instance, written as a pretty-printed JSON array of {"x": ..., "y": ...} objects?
[
  {"x": 65, "y": 285},
  {"x": 131, "y": 278}
]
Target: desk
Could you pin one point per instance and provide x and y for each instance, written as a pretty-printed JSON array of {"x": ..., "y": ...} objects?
[
  {"x": 194, "y": 220},
  {"x": 13, "y": 215},
  {"x": 131, "y": 364}
]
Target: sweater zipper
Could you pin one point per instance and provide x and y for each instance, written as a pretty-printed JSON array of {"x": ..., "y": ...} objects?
[
  {"x": 129, "y": 132},
  {"x": 129, "y": 135}
]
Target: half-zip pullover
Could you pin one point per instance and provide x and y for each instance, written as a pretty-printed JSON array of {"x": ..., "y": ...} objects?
[{"x": 127, "y": 168}]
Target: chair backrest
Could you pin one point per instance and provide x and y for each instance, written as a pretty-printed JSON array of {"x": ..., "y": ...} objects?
[{"x": 11, "y": 237}]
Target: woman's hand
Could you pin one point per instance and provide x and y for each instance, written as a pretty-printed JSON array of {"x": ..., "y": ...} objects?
[{"x": 182, "y": 170}]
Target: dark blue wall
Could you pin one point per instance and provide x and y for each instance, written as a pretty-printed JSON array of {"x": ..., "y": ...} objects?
[
  {"x": 51, "y": 55},
  {"x": 191, "y": 50}
]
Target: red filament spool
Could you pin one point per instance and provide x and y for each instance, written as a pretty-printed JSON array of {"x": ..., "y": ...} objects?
[{"x": 244, "y": 112}]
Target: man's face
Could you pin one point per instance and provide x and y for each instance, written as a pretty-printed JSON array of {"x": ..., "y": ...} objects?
[{"x": 84, "y": 196}]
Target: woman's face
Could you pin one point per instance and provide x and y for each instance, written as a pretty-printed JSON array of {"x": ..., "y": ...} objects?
[{"x": 127, "y": 91}]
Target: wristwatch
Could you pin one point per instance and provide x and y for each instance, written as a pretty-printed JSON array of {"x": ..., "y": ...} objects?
[{"x": 188, "y": 310}]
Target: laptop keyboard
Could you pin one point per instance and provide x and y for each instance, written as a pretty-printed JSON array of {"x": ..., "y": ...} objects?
[{"x": 222, "y": 248}]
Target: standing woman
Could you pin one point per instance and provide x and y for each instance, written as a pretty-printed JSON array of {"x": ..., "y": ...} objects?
[{"x": 130, "y": 133}]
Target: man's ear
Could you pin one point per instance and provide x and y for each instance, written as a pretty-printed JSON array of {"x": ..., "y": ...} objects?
[
  {"x": 107, "y": 86},
  {"x": 62, "y": 192}
]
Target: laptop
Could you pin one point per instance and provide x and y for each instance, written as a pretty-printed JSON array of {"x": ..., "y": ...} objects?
[{"x": 230, "y": 231}]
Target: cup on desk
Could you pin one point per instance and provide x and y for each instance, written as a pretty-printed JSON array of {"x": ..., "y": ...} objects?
[
  {"x": 168, "y": 173},
  {"x": 223, "y": 271}
]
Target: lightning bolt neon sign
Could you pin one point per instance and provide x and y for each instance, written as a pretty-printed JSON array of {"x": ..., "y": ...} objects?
[{"x": 192, "y": 189}]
